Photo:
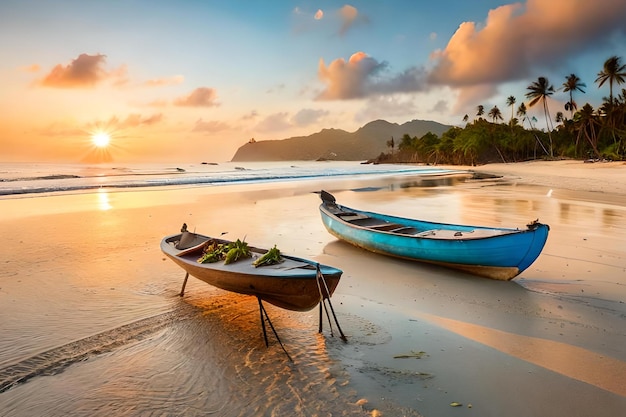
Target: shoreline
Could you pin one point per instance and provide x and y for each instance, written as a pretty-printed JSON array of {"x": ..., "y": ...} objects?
[{"x": 74, "y": 256}]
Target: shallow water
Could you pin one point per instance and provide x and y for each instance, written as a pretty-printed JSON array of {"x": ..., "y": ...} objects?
[{"x": 92, "y": 323}]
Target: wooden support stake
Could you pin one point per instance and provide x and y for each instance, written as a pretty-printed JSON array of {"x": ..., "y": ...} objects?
[
  {"x": 182, "y": 290},
  {"x": 264, "y": 317},
  {"x": 320, "y": 326},
  {"x": 323, "y": 280}
]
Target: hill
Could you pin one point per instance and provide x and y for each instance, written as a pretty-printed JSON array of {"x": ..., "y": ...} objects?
[{"x": 336, "y": 144}]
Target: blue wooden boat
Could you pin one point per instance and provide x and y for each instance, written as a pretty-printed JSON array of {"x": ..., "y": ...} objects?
[{"x": 497, "y": 253}]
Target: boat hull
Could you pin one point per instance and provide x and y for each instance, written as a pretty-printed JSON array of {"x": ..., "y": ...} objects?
[
  {"x": 292, "y": 284},
  {"x": 497, "y": 253}
]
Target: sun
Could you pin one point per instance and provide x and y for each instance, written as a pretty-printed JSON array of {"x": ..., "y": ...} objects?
[{"x": 101, "y": 139}]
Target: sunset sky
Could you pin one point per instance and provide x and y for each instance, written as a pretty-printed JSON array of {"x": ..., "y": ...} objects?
[{"x": 193, "y": 80}]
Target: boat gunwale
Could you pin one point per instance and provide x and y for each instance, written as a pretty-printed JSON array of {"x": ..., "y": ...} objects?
[{"x": 504, "y": 231}]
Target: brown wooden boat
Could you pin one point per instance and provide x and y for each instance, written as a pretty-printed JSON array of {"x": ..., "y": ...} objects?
[{"x": 294, "y": 284}]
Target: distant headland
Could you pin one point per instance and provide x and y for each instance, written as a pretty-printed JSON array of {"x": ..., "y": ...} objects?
[{"x": 366, "y": 143}]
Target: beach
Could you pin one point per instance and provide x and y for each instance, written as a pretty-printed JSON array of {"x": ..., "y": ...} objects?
[{"x": 92, "y": 323}]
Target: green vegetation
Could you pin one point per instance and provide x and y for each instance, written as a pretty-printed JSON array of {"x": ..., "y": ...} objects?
[
  {"x": 228, "y": 252},
  {"x": 271, "y": 257},
  {"x": 213, "y": 252},
  {"x": 587, "y": 133}
]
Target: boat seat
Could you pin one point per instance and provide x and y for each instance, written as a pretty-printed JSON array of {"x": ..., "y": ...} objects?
[
  {"x": 367, "y": 222},
  {"x": 387, "y": 227},
  {"x": 406, "y": 231},
  {"x": 350, "y": 217}
]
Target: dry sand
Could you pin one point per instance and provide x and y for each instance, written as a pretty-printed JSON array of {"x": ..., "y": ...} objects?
[
  {"x": 550, "y": 343},
  {"x": 602, "y": 177}
]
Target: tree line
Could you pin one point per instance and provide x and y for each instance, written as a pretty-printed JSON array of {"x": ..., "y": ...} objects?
[{"x": 579, "y": 133}]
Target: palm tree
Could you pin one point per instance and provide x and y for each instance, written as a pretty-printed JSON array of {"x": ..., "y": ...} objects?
[
  {"x": 495, "y": 114},
  {"x": 613, "y": 71},
  {"x": 391, "y": 144},
  {"x": 586, "y": 120},
  {"x": 559, "y": 117},
  {"x": 572, "y": 83},
  {"x": 521, "y": 112},
  {"x": 480, "y": 110},
  {"x": 510, "y": 101},
  {"x": 538, "y": 91}
]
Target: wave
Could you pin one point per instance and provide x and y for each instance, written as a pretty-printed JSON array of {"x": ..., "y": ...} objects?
[{"x": 52, "y": 178}]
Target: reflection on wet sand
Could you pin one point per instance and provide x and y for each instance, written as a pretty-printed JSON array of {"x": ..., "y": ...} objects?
[{"x": 572, "y": 361}]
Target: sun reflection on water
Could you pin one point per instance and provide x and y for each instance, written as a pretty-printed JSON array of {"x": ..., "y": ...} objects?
[{"x": 103, "y": 200}]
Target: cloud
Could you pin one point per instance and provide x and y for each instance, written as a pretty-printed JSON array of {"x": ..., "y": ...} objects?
[
  {"x": 389, "y": 107},
  {"x": 210, "y": 126},
  {"x": 441, "y": 106},
  {"x": 250, "y": 115},
  {"x": 474, "y": 95},
  {"x": 306, "y": 21},
  {"x": 157, "y": 103},
  {"x": 345, "y": 18},
  {"x": 119, "y": 76},
  {"x": 306, "y": 117},
  {"x": 517, "y": 37},
  {"x": 132, "y": 120},
  {"x": 200, "y": 97},
  {"x": 348, "y": 15},
  {"x": 84, "y": 71},
  {"x": 274, "y": 122},
  {"x": 362, "y": 76}
]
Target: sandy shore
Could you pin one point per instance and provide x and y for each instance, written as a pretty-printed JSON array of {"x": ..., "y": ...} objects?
[
  {"x": 550, "y": 343},
  {"x": 602, "y": 177}
]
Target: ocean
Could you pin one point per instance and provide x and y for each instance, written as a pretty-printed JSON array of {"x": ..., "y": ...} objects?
[{"x": 28, "y": 178}]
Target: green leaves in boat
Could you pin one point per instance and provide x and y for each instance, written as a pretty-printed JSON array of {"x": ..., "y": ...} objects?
[
  {"x": 228, "y": 252},
  {"x": 271, "y": 257}
]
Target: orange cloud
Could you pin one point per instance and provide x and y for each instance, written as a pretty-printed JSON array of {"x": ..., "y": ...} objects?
[
  {"x": 346, "y": 80},
  {"x": 349, "y": 15},
  {"x": 200, "y": 97},
  {"x": 84, "y": 71},
  {"x": 132, "y": 120},
  {"x": 517, "y": 37},
  {"x": 363, "y": 76},
  {"x": 319, "y": 15}
]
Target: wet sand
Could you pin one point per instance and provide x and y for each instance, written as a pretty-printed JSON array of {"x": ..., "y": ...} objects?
[{"x": 92, "y": 325}]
